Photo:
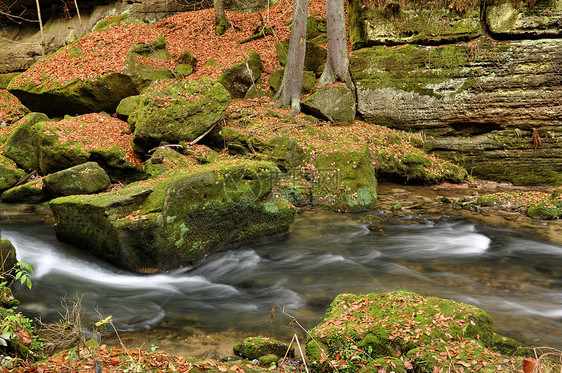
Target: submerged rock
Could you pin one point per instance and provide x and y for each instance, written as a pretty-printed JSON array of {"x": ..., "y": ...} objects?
[
  {"x": 360, "y": 332},
  {"x": 178, "y": 219}
]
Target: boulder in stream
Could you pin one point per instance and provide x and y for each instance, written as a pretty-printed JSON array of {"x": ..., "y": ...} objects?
[
  {"x": 86, "y": 178},
  {"x": 177, "y": 218},
  {"x": 403, "y": 330},
  {"x": 10, "y": 175}
]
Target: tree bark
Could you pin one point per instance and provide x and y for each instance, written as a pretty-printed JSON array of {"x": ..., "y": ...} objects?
[
  {"x": 337, "y": 61},
  {"x": 221, "y": 23},
  {"x": 290, "y": 91}
]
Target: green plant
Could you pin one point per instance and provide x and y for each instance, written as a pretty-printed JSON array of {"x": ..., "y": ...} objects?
[{"x": 23, "y": 273}]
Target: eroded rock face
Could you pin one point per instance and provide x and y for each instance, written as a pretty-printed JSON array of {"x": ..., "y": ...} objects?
[
  {"x": 544, "y": 19},
  {"x": 179, "y": 218},
  {"x": 478, "y": 101}
]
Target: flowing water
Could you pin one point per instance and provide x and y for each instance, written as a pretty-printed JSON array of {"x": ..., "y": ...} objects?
[{"x": 516, "y": 279}]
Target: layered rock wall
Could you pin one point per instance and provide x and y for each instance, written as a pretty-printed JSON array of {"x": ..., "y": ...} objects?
[{"x": 483, "y": 84}]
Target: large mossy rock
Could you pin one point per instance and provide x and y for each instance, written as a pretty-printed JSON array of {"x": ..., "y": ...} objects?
[
  {"x": 86, "y": 178},
  {"x": 475, "y": 102},
  {"x": 10, "y": 175},
  {"x": 518, "y": 19},
  {"x": 18, "y": 147},
  {"x": 397, "y": 22},
  {"x": 174, "y": 111},
  {"x": 30, "y": 192},
  {"x": 239, "y": 78},
  {"x": 11, "y": 109},
  {"x": 334, "y": 103},
  {"x": 8, "y": 258},
  {"x": 90, "y": 137},
  {"x": 360, "y": 331},
  {"x": 344, "y": 178},
  {"x": 88, "y": 85},
  {"x": 177, "y": 219}
]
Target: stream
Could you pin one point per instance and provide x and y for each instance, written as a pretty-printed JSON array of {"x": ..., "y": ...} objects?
[{"x": 518, "y": 280}]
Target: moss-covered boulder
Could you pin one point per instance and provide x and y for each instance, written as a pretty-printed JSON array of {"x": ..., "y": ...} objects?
[
  {"x": 90, "y": 137},
  {"x": 334, "y": 103},
  {"x": 91, "y": 81},
  {"x": 86, "y": 178},
  {"x": 343, "y": 179},
  {"x": 174, "y": 111},
  {"x": 413, "y": 331},
  {"x": 528, "y": 19},
  {"x": 239, "y": 78},
  {"x": 30, "y": 192},
  {"x": 165, "y": 159},
  {"x": 8, "y": 258},
  {"x": 127, "y": 106},
  {"x": 313, "y": 59},
  {"x": 11, "y": 109},
  {"x": 10, "y": 175},
  {"x": 258, "y": 347},
  {"x": 397, "y": 22},
  {"x": 18, "y": 147},
  {"x": 178, "y": 218}
]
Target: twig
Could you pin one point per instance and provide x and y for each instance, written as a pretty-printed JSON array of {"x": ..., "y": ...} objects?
[
  {"x": 295, "y": 338},
  {"x": 294, "y": 320},
  {"x": 206, "y": 132}
]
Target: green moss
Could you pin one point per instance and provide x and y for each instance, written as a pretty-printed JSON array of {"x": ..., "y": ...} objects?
[
  {"x": 361, "y": 332},
  {"x": 76, "y": 52},
  {"x": 257, "y": 347},
  {"x": 105, "y": 23},
  {"x": 10, "y": 175},
  {"x": 31, "y": 192}
]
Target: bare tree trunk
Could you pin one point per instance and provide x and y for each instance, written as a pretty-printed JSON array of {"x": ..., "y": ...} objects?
[
  {"x": 337, "y": 62},
  {"x": 41, "y": 28},
  {"x": 221, "y": 23},
  {"x": 290, "y": 90}
]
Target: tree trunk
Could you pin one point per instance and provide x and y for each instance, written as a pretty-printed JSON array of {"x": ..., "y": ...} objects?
[
  {"x": 290, "y": 90},
  {"x": 337, "y": 62},
  {"x": 221, "y": 23}
]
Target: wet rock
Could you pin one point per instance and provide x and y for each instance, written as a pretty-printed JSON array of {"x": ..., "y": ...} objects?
[
  {"x": 177, "y": 219},
  {"x": 7, "y": 256}
]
